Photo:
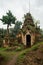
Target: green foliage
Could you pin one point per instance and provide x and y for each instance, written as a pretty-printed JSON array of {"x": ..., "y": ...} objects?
[
  {"x": 15, "y": 43},
  {"x": 7, "y": 56},
  {"x": 18, "y": 46},
  {"x": 8, "y": 18},
  {"x": 17, "y": 28},
  {"x": 18, "y": 49},
  {"x": 23, "y": 53},
  {"x": 1, "y": 42},
  {"x": 2, "y": 32},
  {"x": 35, "y": 48},
  {"x": 37, "y": 27},
  {"x": 28, "y": 17},
  {"x": 31, "y": 28},
  {"x": 28, "y": 22}
]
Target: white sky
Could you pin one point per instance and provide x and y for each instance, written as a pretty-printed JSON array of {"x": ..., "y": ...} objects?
[{"x": 20, "y": 7}]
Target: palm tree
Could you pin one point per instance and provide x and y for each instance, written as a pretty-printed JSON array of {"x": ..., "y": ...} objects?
[{"x": 8, "y": 19}]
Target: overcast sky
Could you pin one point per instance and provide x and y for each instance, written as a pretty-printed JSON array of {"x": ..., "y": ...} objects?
[{"x": 20, "y": 7}]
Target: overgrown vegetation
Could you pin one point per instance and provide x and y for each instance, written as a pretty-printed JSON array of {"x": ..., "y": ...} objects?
[
  {"x": 14, "y": 32},
  {"x": 21, "y": 57},
  {"x": 6, "y": 54}
]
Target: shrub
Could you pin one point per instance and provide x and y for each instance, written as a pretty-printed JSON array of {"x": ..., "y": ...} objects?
[
  {"x": 19, "y": 49},
  {"x": 34, "y": 48},
  {"x": 3, "y": 59},
  {"x": 1, "y": 41}
]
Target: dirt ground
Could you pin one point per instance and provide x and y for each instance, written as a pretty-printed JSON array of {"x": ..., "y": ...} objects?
[
  {"x": 34, "y": 57},
  {"x": 13, "y": 60}
]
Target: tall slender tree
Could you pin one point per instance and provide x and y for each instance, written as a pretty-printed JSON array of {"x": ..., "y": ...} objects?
[{"x": 8, "y": 19}]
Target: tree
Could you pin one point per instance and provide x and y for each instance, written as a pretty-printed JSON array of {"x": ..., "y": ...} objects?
[
  {"x": 37, "y": 26},
  {"x": 8, "y": 19},
  {"x": 17, "y": 28},
  {"x": 37, "y": 23}
]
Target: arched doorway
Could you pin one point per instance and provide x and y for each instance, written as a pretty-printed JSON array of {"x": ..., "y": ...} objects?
[{"x": 28, "y": 40}]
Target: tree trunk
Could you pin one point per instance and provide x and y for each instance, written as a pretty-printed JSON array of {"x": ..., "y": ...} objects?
[
  {"x": 8, "y": 34},
  {"x": 7, "y": 29}
]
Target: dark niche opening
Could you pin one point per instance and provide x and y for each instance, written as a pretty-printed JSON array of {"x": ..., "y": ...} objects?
[{"x": 28, "y": 40}]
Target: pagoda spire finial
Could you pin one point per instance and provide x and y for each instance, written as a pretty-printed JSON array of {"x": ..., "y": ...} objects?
[{"x": 29, "y": 6}]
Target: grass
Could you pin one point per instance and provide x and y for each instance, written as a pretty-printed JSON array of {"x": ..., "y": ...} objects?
[
  {"x": 9, "y": 55},
  {"x": 24, "y": 52},
  {"x": 6, "y": 55}
]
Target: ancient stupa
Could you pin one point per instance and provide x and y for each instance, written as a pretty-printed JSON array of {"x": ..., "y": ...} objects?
[{"x": 28, "y": 31}]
